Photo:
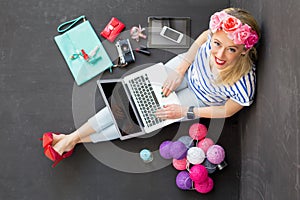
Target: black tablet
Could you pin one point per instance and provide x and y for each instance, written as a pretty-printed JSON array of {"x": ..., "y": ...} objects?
[{"x": 156, "y": 26}]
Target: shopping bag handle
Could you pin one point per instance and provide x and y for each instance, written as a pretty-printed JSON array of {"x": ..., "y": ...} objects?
[{"x": 71, "y": 22}]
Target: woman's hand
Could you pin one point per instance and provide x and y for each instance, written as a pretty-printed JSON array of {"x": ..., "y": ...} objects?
[
  {"x": 171, "y": 111},
  {"x": 172, "y": 82}
]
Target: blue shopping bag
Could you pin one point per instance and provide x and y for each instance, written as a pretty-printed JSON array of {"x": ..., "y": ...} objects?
[{"x": 82, "y": 50}]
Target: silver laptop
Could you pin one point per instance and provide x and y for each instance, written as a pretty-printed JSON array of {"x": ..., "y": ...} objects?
[{"x": 134, "y": 100}]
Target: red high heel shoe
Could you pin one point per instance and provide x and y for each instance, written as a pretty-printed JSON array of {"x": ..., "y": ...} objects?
[{"x": 50, "y": 152}]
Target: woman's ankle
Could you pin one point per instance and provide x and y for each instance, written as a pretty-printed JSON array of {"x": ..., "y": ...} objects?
[{"x": 75, "y": 137}]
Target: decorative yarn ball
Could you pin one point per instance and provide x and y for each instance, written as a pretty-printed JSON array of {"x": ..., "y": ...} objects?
[
  {"x": 195, "y": 155},
  {"x": 180, "y": 164},
  {"x": 215, "y": 154},
  {"x": 211, "y": 168},
  {"x": 198, "y": 131},
  {"x": 205, "y": 143},
  {"x": 205, "y": 186},
  {"x": 187, "y": 140},
  {"x": 183, "y": 180},
  {"x": 164, "y": 149},
  {"x": 178, "y": 150},
  {"x": 198, "y": 173}
]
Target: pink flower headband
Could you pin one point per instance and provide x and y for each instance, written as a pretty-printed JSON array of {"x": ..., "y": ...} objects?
[{"x": 237, "y": 31}]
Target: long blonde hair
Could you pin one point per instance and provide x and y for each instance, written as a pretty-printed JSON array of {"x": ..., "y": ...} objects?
[{"x": 244, "y": 64}]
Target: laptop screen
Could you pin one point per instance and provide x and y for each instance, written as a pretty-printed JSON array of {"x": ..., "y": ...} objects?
[{"x": 121, "y": 108}]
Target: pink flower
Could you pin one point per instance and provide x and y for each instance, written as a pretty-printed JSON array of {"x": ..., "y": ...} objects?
[
  {"x": 251, "y": 40},
  {"x": 234, "y": 28},
  {"x": 241, "y": 34},
  {"x": 216, "y": 20},
  {"x": 230, "y": 24}
]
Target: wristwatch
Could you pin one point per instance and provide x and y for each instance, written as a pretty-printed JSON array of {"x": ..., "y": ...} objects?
[{"x": 190, "y": 114}]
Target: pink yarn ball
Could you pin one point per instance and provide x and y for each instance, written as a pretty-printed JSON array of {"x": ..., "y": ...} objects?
[
  {"x": 205, "y": 186},
  {"x": 215, "y": 154},
  {"x": 180, "y": 164},
  {"x": 164, "y": 149},
  {"x": 198, "y": 131},
  {"x": 205, "y": 143},
  {"x": 178, "y": 150},
  {"x": 198, "y": 173}
]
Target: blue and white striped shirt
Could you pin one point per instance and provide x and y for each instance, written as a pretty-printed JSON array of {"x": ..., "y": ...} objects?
[{"x": 201, "y": 81}]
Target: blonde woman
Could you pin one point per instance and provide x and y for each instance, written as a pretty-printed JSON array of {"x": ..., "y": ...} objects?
[
  {"x": 218, "y": 68},
  {"x": 214, "y": 79}
]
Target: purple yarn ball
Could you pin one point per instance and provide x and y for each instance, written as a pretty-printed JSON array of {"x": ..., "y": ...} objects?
[
  {"x": 183, "y": 180},
  {"x": 164, "y": 149},
  {"x": 215, "y": 154},
  {"x": 178, "y": 150}
]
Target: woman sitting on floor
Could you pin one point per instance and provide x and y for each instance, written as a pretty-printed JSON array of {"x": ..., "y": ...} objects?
[{"x": 220, "y": 80}]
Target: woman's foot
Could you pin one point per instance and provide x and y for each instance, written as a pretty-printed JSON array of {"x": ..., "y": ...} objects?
[
  {"x": 56, "y": 138},
  {"x": 64, "y": 143}
]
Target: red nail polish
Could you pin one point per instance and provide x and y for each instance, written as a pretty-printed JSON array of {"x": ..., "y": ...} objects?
[{"x": 85, "y": 56}]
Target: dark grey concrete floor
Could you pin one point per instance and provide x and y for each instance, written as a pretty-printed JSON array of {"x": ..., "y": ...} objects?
[{"x": 37, "y": 95}]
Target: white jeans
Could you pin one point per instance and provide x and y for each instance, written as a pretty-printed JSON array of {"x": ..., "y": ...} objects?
[{"x": 102, "y": 121}]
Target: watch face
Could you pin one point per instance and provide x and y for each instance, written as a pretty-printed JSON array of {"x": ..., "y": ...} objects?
[{"x": 190, "y": 113}]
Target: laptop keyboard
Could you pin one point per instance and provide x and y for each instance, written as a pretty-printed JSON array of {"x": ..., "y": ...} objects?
[{"x": 146, "y": 99}]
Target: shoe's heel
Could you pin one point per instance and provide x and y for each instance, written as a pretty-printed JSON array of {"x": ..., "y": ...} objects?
[{"x": 57, "y": 161}]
